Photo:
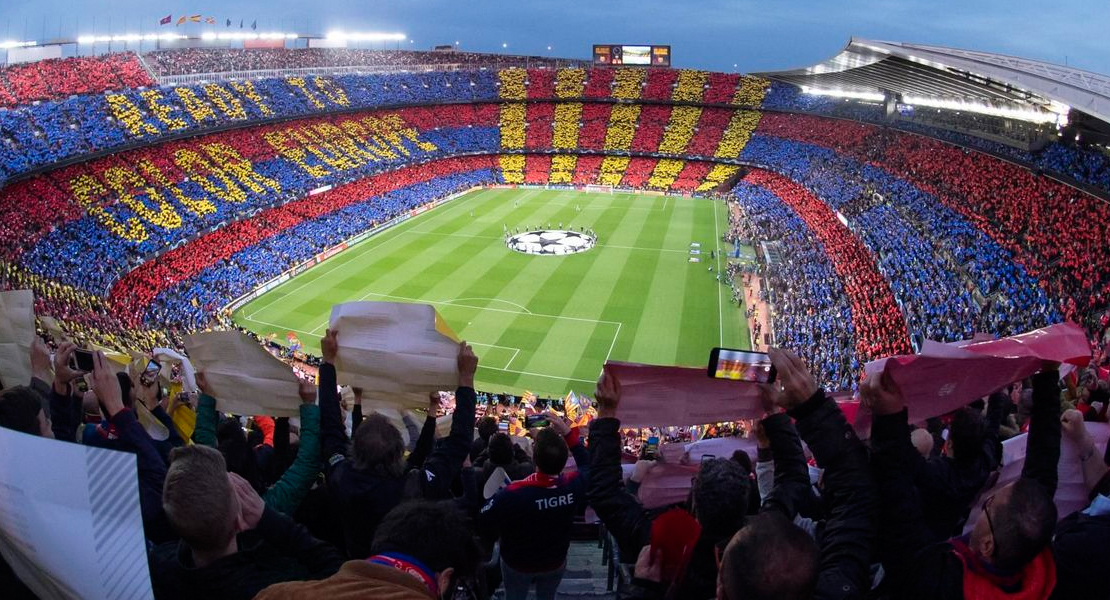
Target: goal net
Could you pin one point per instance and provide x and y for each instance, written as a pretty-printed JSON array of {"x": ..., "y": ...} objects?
[{"x": 599, "y": 189}]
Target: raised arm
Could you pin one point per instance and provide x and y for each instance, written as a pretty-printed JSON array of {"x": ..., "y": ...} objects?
[
  {"x": 622, "y": 513},
  {"x": 1042, "y": 455},
  {"x": 152, "y": 469},
  {"x": 791, "y": 477},
  {"x": 849, "y": 496},
  {"x": 1094, "y": 468},
  {"x": 446, "y": 460},
  {"x": 333, "y": 435},
  {"x": 902, "y": 531},
  {"x": 286, "y": 495},
  {"x": 204, "y": 433},
  {"x": 426, "y": 437}
]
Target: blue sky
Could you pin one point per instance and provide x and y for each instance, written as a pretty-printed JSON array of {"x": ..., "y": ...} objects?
[{"x": 712, "y": 34}]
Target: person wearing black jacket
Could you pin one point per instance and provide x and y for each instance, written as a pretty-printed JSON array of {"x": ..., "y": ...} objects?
[
  {"x": 533, "y": 517},
  {"x": 719, "y": 502},
  {"x": 1007, "y": 553},
  {"x": 771, "y": 557},
  {"x": 374, "y": 478}
]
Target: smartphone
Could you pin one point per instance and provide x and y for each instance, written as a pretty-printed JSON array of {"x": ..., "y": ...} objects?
[
  {"x": 82, "y": 360},
  {"x": 650, "y": 450},
  {"x": 150, "y": 373},
  {"x": 533, "y": 421},
  {"x": 741, "y": 365},
  {"x": 503, "y": 426}
]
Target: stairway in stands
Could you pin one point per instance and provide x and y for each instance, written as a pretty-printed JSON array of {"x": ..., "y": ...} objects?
[{"x": 585, "y": 577}]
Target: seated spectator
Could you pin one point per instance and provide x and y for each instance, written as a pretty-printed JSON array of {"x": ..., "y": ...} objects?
[
  {"x": 421, "y": 551},
  {"x": 232, "y": 545},
  {"x": 533, "y": 517}
]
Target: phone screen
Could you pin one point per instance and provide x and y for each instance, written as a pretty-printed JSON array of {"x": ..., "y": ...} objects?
[
  {"x": 83, "y": 360},
  {"x": 741, "y": 365},
  {"x": 151, "y": 372},
  {"x": 503, "y": 426},
  {"x": 532, "y": 421}
]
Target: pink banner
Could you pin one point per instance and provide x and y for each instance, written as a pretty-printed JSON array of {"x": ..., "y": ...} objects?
[
  {"x": 945, "y": 377},
  {"x": 657, "y": 396},
  {"x": 1071, "y": 492}
]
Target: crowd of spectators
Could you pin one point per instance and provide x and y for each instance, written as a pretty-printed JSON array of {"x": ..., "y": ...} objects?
[
  {"x": 811, "y": 310},
  {"x": 353, "y": 500},
  {"x": 1007, "y": 203},
  {"x": 33, "y": 137},
  {"x": 188, "y": 61},
  {"x": 59, "y": 78},
  {"x": 180, "y": 190},
  {"x": 879, "y": 324},
  {"x": 187, "y": 284},
  {"x": 1085, "y": 164}
]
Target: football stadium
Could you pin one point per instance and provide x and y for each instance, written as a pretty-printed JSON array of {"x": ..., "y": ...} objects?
[{"x": 297, "y": 315}]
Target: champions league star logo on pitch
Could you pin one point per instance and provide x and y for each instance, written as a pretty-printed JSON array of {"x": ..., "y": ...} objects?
[{"x": 551, "y": 242}]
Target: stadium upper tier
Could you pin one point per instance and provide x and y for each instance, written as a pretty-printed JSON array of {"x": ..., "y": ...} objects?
[{"x": 212, "y": 190}]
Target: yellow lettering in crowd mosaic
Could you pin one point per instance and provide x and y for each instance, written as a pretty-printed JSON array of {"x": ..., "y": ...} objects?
[
  {"x": 323, "y": 148},
  {"x": 150, "y": 196}
]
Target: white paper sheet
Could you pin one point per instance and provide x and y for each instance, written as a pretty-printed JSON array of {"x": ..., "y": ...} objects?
[
  {"x": 17, "y": 331},
  {"x": 77, "y": 532},
  {"x": 244, "y": 378},
  {"x": 394, "y": 351}
]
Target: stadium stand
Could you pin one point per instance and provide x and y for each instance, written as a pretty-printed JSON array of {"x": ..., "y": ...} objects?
[{"x": 136, "y": 213}]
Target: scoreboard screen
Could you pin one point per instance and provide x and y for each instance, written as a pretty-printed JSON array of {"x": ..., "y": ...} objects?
[{"x": 619, "y": 54}]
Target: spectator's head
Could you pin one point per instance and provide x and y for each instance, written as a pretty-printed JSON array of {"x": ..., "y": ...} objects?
[
  {"x": 500, "y": 449},
  {"x": 922, "y": 441},
  {"x": 199, "y": 500},
  {"x": 741, "y": 458},
  {"x": 965, "y": 436},
  {"x": 770, "y": 558},
  {"x": 410, "y": 528},
  {"x": 720, "y": 496},
  {"x": 1016, "y": 524},
  {"x": 378, "y": 446},
  {"x": 550, "y": 452},
  {"x": 487, "y": 427},
  {"x": 21, "y": 410}
]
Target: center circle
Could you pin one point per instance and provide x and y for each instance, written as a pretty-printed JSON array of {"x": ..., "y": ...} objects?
[{"x": 550, "y": 242}]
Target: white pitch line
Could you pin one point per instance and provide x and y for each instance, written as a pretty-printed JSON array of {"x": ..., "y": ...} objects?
[
  {"x": 614, "y": 343},
  {"x": 336, "y": 265},
  {"x": 720, "y": 311},
  {"x": 493, "y": 346},
  {"x": 490, "y": 299},
  {"x": 559, "y": 377},
  {"x": 511, "y": 312},
  {"x": 512, "y": 358}
]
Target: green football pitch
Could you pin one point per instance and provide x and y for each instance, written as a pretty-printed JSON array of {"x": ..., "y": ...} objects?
[{"x": 539, "y": 323}]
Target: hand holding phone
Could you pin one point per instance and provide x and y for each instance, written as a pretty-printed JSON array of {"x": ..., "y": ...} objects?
[
  {"x": 82, "y": 361},
  {"x": 741, "y": 365},
  {"x": 536, "y": 421}
]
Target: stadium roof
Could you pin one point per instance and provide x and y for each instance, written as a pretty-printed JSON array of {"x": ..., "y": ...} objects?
[{"x": 915, "y": 70}]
